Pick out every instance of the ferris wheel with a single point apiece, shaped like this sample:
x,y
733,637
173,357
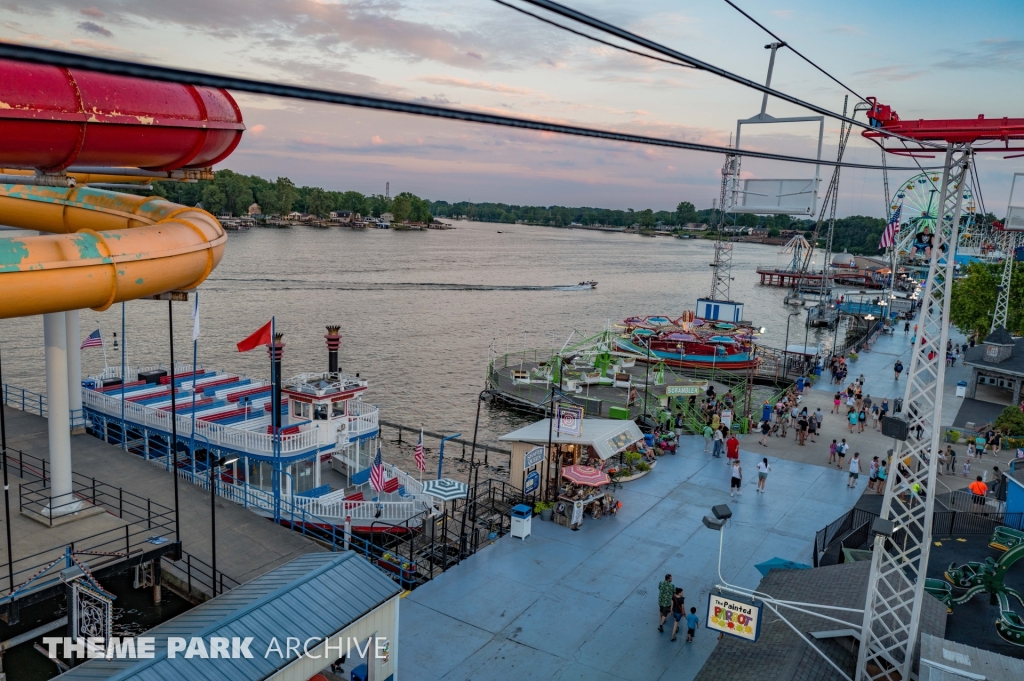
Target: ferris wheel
x,y
919,198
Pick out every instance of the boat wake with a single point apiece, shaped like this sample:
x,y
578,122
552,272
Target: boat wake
x,y
291,284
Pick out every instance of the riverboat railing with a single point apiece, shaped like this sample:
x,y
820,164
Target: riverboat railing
x,y
237,439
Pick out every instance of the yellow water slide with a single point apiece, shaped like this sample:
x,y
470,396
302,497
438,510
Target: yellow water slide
x,y
101,248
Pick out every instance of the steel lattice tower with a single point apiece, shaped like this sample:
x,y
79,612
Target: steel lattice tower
x,y
1010,241
721,275
900,560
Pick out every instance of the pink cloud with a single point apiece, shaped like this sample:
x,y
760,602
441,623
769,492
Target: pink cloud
x,y
257,129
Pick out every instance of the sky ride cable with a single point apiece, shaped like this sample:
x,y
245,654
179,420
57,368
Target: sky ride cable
x,y
605,27
581,34
41,55
792,49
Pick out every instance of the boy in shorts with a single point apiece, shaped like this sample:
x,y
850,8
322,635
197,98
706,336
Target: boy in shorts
x,y
691,624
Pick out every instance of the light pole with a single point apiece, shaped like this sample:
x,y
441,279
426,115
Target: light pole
x,y
7,487
785,350
213,465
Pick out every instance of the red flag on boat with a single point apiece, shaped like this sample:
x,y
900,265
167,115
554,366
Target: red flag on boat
x,y
260,337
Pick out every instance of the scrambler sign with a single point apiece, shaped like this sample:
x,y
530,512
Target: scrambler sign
x,y
738,618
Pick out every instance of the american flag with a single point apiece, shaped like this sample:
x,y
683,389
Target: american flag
x,y
93,340
420,463
889,235
377,471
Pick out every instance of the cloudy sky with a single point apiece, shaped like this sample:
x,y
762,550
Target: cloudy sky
x,y
930,59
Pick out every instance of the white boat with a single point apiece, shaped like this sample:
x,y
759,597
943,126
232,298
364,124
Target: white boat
x,y
317,467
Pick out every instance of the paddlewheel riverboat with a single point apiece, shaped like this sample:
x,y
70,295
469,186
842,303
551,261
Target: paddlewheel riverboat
x,y
314,471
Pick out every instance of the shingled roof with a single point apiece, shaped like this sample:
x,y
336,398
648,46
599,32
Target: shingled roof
x,y
781,655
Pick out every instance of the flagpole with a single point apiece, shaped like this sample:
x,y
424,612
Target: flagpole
x,y
103,346
124,348
195,377
275,415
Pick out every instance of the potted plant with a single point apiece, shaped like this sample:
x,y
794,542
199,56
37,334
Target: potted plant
x,y
544,509
390,563
953,436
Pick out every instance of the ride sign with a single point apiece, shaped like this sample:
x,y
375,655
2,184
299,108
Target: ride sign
x,y
569,420
532,458
682,390
735,617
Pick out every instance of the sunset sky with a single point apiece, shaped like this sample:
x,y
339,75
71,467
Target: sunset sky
x,y
930,59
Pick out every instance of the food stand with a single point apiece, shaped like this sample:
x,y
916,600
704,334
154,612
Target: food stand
x,y
598,441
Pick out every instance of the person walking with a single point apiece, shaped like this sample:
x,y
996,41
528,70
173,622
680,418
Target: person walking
x,y
906,328
763,469
832,452
679,426
716,445
819,417
862,420
882,475
898,369
708,434
766,430
841,452
812,428
665,591
737,479
678,610
854,470
851,417
873,473
692,622
801,428
836,401
997,442
875,413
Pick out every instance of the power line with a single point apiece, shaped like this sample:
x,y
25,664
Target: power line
x,y
794,50
605,27
594,38
40,55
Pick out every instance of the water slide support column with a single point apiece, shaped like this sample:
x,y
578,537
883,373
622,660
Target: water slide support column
x,y
74,342
55,338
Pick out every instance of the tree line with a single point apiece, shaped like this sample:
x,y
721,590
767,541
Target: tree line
x,y
231,193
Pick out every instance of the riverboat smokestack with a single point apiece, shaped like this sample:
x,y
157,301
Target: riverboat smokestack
x,y
333,343
276,350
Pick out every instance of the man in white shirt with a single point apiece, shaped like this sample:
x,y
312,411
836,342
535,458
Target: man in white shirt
x,y
854,469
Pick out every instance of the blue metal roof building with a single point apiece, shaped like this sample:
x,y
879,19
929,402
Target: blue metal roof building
x,y
316,596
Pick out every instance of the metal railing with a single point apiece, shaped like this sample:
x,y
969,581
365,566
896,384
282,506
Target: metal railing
x,y
35,403
146,520
237,439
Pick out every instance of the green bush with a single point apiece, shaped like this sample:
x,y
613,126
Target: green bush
x,y
953,436
543,506
643,466
1011,421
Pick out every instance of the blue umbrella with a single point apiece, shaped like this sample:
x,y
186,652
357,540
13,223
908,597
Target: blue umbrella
x,y
779,564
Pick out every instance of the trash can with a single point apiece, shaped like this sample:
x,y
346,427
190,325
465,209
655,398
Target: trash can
x,y
961,389
360,673
522,519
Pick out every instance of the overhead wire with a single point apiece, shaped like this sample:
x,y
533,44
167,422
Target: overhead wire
x,y
581,34
795,51
623,34
41,55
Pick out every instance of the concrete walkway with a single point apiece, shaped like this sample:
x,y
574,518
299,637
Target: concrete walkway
x,y
564,605
876,365
247,545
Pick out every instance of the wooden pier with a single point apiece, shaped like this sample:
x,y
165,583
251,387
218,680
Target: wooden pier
x,y
771,276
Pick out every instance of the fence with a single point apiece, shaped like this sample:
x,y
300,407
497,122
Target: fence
x,y
35,403
852,530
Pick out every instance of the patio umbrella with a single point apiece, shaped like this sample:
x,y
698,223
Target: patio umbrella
x,y
643,332
445,489
586,475
680,337
721,339
779,564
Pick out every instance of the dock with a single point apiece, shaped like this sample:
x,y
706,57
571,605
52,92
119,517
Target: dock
x,y
247,545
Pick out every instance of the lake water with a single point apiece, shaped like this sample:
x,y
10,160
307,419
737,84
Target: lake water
x,y
418,310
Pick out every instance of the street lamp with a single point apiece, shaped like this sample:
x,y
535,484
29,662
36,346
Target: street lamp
x,y
785,350
213,464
